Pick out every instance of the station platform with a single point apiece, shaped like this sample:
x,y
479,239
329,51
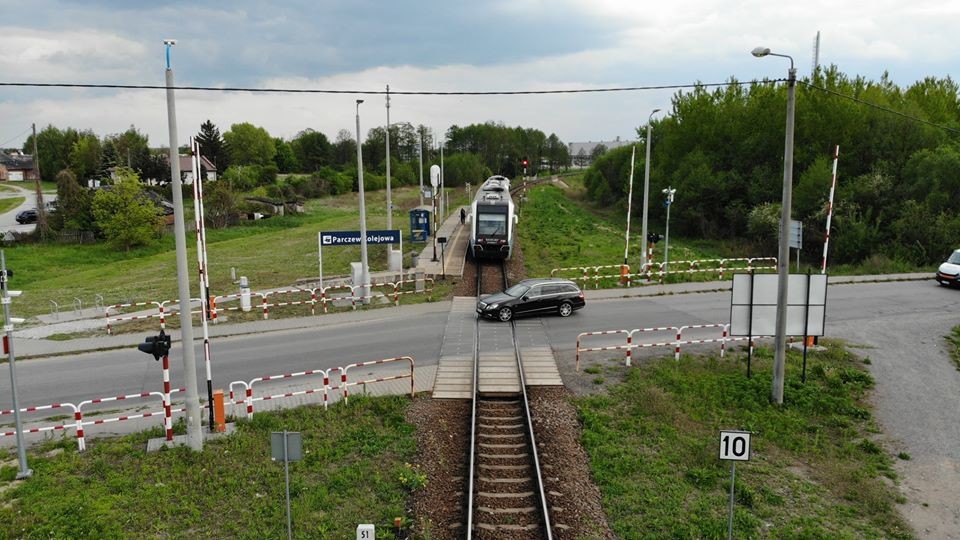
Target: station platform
x,y
451,256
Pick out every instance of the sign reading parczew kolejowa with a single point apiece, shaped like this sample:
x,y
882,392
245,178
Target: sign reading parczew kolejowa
x,y
352,238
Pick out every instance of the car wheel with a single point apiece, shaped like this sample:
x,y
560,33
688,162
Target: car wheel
x,y
505,314
565,309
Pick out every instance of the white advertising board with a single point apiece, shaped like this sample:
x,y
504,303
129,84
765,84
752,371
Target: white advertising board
x,y
753,305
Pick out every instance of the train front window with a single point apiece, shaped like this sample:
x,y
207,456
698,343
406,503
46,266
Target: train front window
x,y
492,225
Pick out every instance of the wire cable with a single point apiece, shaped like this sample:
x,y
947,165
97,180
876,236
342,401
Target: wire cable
x,y
880,107
4,143
376,92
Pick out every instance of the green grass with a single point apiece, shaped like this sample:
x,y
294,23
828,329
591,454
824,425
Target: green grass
x,y
558,229
9,204
272,252
953,342
815,469
355,470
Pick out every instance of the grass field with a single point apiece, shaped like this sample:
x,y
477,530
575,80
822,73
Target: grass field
x,y
271,253
354,470
815,469
9,204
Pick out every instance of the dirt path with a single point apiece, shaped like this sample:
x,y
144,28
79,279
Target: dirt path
x,y
917,398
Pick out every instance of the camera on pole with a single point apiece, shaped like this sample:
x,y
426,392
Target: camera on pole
x,y
158,346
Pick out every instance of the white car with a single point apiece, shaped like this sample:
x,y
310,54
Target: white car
x,y
949,272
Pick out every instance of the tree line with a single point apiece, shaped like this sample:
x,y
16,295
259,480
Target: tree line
x,y
722,150
247,157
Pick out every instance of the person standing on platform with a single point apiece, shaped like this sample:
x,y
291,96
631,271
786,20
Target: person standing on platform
x,y
463,216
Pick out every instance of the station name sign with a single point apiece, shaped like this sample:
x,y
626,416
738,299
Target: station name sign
x,y
352,238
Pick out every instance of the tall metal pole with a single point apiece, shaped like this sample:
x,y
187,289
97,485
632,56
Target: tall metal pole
x,y
24,472
194,434
626,247
364,269
443,197
646,193
780,356
420,159
42,226
389,199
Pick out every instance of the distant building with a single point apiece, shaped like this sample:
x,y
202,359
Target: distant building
x,y
581,152
186,168
16,167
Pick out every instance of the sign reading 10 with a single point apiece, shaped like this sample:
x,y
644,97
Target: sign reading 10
x,y
735,445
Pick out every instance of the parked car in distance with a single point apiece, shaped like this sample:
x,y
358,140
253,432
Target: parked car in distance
x,y
27,216
949,271
538,296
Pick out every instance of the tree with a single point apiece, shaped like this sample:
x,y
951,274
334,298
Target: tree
x,y
132,148
344,150
312,150
285,160
219,204
73,204
85,157
212,146
249,145
54,147
125,214
598,151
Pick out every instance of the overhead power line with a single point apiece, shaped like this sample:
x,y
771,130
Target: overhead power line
x,y
880,107
17,136
471,93
374,92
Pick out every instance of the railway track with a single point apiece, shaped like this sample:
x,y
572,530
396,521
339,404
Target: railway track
x,y
506,491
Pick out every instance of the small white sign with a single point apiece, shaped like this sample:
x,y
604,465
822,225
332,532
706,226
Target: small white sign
x,y
365,531
735,445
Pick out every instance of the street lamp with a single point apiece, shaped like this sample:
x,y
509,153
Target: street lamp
x,y
779,361
389,199
646,194
626,247
669,192
364,269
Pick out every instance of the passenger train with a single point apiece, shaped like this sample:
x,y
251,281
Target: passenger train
x,y
492,220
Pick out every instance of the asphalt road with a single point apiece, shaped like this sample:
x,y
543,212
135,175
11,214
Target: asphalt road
x,y
8,220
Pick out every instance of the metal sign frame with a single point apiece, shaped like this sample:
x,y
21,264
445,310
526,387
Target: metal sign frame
x,y
753,304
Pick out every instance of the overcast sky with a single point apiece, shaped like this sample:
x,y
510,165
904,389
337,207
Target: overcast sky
x,y
434,45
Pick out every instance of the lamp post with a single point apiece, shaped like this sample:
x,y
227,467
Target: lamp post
x,y
646,194
420,159
783,255
194,433
389,199
364,269
8,322
669,192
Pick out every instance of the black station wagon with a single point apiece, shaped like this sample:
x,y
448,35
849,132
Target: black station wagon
x,y
533,297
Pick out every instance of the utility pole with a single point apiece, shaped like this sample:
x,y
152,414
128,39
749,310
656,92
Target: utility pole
x,y
194,433
42,226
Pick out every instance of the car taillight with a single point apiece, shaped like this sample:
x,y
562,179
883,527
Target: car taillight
x,y
581,295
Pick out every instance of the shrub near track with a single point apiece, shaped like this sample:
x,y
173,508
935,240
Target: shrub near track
x,y
353,471
815,470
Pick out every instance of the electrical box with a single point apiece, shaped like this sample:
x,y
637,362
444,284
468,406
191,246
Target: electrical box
x,y
419,225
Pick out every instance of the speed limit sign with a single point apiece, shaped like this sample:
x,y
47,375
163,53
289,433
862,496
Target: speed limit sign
x,y
735,445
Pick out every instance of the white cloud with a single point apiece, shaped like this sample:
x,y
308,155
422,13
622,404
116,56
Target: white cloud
x,y
86,55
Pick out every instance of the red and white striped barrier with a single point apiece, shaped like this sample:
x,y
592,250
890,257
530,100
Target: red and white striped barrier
x,y
161,312
677,343
167,413
346,384
56,427
648,271
214,310
247,399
